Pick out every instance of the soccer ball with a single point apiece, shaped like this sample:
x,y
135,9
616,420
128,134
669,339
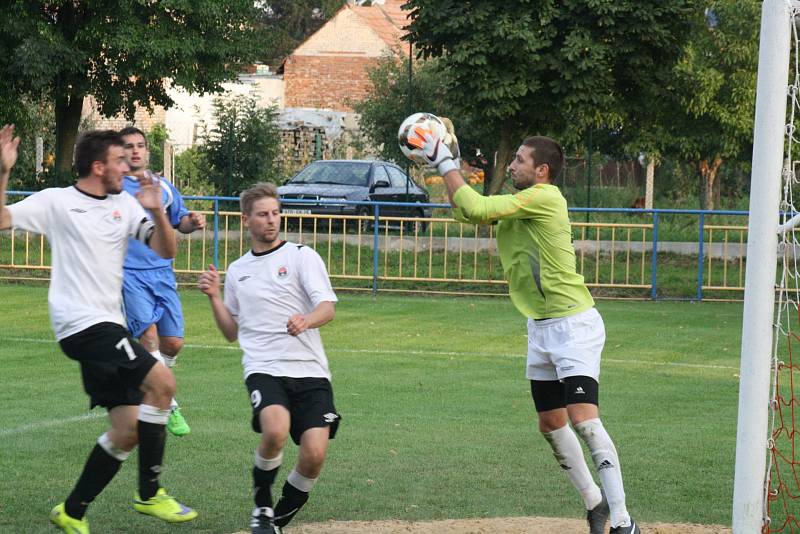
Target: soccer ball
x,y
410,143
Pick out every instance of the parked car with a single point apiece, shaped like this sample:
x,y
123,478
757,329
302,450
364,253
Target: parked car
x,y
354,180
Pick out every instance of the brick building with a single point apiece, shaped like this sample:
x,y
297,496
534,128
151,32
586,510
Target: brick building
x,y
329,69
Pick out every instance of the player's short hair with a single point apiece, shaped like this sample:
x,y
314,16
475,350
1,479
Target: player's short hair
x,y
133,130
93,146
256,192
546,150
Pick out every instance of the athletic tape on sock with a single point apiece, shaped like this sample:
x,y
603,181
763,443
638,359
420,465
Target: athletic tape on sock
x,y
157,355
300,482
268,464
107,445
151,414
169,361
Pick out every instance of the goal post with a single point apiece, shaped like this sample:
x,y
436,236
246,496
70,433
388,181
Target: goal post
x,y
762,243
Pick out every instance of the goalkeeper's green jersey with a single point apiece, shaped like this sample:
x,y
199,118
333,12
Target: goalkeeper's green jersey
x,y
534,239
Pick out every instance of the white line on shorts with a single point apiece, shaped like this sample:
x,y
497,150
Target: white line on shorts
x,y
444,353
38,425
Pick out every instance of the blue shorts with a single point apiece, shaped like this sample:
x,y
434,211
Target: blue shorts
x,y
151,297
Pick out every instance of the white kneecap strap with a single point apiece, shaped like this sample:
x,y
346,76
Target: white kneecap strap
x,y
107,445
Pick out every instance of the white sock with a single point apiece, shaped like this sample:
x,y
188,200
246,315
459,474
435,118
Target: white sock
x,y
606,461
157,355
300,482
268,464
169,361
569,454
166,361
152,414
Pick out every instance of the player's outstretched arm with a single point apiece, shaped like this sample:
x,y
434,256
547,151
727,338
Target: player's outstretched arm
x,y
208,283
319,316
8,157
163,239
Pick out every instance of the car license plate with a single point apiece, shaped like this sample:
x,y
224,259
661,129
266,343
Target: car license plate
x,y
296,211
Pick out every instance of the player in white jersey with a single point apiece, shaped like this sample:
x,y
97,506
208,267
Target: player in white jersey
x,y
276,298
88,226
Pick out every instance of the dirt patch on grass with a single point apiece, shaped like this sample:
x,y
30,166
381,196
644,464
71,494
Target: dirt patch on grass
x,y
500,525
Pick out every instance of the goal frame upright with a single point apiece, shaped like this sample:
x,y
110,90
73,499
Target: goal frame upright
x,y
762,243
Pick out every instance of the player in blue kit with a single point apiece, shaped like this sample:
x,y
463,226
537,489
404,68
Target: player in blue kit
x,y
152,305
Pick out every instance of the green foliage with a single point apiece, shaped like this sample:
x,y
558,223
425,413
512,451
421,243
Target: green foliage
x,y
192,175
156,138
553,67
32,119
714,86
243,147
121,53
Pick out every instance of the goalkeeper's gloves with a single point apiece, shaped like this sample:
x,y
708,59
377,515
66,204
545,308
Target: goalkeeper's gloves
x,y
436,153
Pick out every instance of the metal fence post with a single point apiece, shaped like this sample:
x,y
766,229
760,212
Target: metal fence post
x,y
376,218
654,261
216,232
701,243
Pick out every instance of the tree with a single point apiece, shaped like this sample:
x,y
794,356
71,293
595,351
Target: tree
x,y
243,147
120,52
557,68
289,22
713,99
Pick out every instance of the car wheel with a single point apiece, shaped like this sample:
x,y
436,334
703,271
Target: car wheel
x,y
411,224
365,224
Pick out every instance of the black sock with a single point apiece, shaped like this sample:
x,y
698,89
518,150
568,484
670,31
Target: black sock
x,y
152,438
100,468
262,486
291,501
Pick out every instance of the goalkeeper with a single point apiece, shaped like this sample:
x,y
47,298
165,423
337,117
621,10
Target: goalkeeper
x,y
565,332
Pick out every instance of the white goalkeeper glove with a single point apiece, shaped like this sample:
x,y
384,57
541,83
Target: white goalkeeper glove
x,y
435,151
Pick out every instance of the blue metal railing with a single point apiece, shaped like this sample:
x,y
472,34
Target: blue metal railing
x,y
376,208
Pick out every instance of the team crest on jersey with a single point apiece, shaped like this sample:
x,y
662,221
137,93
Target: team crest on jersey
x,y
282,271
117,215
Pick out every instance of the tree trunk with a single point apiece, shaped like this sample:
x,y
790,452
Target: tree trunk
x,y
68,117
505,149
708,175
648,190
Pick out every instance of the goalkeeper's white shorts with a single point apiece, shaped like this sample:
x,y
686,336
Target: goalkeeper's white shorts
x,y
567,346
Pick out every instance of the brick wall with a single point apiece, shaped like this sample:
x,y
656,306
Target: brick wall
x,y
326,82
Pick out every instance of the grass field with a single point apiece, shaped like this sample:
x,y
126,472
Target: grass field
x,y
437,417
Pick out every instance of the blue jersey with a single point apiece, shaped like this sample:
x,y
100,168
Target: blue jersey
x,y
140,256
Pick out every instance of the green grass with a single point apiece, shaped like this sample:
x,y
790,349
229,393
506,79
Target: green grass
x,y
437,417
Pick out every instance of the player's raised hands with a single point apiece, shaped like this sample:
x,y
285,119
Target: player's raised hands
x,y
8,149
208,282
149,195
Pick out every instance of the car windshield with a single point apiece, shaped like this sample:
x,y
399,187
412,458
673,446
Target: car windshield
x,y
338,173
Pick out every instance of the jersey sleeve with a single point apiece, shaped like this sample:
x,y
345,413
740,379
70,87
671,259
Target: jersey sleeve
x,y
177,210
314,278
475,208
229,297
32,213
140,227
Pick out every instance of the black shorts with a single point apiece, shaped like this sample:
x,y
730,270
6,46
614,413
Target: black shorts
x,y
113,364
309,401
